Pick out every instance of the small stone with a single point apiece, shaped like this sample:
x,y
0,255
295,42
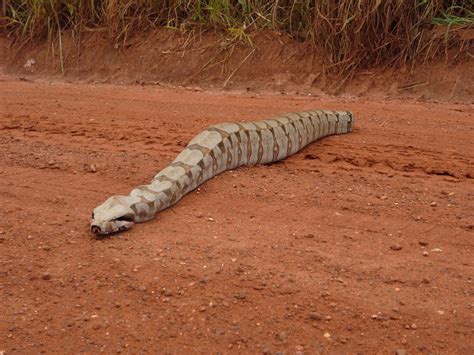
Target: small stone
x,y
210,219
328,317
51,162
440,312
46,276
400,352
308,236
283,336
423,243
434,204
425,253
168,293
241,296
436,250
396,247
266,350
327,335
93,168
99,324
413,326
314,316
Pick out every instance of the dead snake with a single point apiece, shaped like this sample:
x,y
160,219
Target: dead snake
x,y
218,148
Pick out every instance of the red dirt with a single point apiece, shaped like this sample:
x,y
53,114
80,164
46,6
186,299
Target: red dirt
x,y
359,243
277,62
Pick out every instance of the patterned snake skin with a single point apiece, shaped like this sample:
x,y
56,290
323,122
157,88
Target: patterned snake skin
x,y
216,149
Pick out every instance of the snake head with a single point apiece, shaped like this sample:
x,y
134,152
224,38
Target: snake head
x,y
114,215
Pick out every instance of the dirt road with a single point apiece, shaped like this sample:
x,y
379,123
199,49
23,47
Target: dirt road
x,y
360,242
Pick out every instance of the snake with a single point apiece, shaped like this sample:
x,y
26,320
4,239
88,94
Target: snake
x,y
218,148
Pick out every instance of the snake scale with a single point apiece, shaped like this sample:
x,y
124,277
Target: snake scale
x,y
218,148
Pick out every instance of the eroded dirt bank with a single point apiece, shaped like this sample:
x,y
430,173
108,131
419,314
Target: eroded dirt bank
x,y
274,62
359,243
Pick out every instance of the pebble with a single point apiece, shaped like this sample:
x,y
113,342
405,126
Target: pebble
x,y
436,250
396,247
46,276
423,243
400,352
434,204
99,324
328,318
425,253
327,335
241,295
314,316
93,168
283,336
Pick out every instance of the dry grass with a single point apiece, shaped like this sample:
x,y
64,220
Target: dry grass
x,y
352,34
361,34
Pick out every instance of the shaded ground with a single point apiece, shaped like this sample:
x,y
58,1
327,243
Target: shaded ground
x,y
360,242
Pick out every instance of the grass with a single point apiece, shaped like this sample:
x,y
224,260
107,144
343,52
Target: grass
x,y
350,34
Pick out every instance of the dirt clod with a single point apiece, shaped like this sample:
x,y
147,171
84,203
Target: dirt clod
x,y
314,316
396,247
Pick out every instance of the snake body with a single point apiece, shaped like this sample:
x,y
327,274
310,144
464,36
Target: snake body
x,y
218,148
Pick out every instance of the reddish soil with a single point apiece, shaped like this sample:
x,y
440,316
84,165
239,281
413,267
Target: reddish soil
x,y
277,62
359,243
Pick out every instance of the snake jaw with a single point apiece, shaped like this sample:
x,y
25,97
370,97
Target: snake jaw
x,y
113,216
110,227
